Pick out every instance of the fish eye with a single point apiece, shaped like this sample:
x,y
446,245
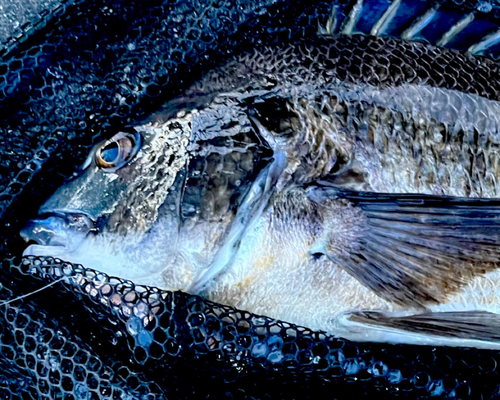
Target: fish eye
x,y
114,153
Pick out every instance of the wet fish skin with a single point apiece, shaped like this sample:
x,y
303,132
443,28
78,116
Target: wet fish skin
x,y
253,205
407,139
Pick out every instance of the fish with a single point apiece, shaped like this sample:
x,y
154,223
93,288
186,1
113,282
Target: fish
x,y
356,195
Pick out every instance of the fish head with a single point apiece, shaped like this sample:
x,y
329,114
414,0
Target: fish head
x,y
103,216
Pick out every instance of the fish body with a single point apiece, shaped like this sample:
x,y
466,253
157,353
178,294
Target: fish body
x,y
290,182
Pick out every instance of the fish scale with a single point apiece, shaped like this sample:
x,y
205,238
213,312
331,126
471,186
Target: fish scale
x,y
371,370
443,157
314,133
212,176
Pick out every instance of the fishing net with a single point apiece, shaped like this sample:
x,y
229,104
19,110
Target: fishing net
x,y
173,345
80,72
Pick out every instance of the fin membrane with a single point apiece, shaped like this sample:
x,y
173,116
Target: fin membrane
x,y
473,325
415,250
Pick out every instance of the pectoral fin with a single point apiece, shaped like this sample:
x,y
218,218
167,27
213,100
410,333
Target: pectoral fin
x,y
415,250
438,328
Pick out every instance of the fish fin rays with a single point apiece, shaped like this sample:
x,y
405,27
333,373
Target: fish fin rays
x,y
416,250
466,325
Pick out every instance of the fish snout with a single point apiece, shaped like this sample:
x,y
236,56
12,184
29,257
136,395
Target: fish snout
x,y
62,230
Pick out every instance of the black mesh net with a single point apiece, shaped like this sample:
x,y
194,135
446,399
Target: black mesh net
x,y
80,73
171,344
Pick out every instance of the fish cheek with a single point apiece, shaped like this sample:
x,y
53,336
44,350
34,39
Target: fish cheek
x,y
150,177
112,254
108,193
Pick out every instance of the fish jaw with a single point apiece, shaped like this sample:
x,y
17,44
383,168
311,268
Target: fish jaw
x,y
112,256
44,251
57,233
140,257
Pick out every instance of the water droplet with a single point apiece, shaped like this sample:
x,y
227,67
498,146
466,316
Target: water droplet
x,y
394,376
82,391
144,338
259,350
484,6
437,388
140,309
134,326
53,364
275,357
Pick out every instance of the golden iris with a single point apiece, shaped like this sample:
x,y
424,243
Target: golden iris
x,y
117,151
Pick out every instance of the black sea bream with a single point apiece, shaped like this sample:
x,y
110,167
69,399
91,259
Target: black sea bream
x,y
346,184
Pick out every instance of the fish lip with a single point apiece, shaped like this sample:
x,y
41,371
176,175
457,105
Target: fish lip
x,y
38,250
64,212
56,231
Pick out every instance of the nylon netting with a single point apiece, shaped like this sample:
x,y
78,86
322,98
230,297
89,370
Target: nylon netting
x,y
63,86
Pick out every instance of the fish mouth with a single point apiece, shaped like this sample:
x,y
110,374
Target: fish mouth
x,y
56,233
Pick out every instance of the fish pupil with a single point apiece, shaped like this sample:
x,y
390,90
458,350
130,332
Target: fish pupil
x,y
110,152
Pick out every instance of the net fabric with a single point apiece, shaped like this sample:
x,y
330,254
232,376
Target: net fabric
x,y
21,19
43,360
166,334
64,87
